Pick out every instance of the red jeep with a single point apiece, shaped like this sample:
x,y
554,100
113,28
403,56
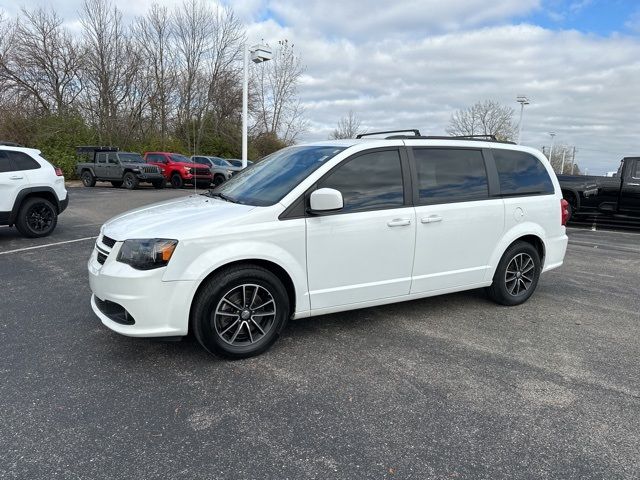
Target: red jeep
x,y
179,170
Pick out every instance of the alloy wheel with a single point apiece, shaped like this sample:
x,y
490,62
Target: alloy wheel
x,y
244,315
40,218
519,274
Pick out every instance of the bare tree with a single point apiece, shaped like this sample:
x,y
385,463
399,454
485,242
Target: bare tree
x,y
279,111
484,118
348,127
114,95
41,61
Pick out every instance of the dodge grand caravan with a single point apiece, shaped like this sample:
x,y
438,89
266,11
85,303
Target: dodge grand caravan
x,y
326,227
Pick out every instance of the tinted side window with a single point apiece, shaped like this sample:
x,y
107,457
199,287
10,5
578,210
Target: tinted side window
x,y
101,157
22,161
112,158
636,174
450,175
5,164
521,173
368,182
155,158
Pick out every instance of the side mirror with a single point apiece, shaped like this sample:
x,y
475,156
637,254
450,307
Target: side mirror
x,y
326,200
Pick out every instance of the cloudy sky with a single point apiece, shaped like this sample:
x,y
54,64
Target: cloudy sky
x,y
411,63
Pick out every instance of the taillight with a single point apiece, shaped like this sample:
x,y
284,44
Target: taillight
x,y
59,172
564,208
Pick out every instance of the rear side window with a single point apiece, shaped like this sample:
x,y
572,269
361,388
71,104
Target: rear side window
x,y
5,164
450,175
22,161
372,181
101,158
521,173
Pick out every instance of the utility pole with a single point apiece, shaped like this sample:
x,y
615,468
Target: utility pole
x,y
522,100
564,152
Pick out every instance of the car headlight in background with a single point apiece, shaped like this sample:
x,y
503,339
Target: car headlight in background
x,y
187,169
147,254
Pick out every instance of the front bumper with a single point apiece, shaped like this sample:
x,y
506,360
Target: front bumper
x,y
150,177
154,308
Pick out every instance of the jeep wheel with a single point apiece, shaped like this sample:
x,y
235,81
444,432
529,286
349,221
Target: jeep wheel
x,y
130,181
88,180
240,312
158,184
37,218
176,181
517,275
116,183
218,180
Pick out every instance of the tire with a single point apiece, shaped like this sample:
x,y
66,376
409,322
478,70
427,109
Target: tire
x,y
158,184
218,180
88,180
116,183
130,181
37,217
523,260
176,181
250,331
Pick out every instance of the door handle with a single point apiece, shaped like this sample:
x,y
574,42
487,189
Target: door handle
x,y
633,184
16,177
399,222
431,219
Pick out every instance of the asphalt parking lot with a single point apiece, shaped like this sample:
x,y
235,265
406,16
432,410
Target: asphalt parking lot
x,y
446,387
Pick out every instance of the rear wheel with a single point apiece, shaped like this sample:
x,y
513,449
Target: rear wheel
x,y
88,180
37,217
116,184
517,275
130,181
176,181
240,312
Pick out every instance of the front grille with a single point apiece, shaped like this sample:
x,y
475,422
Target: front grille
x,y
205,172
109,242
101,258
150,169
114,311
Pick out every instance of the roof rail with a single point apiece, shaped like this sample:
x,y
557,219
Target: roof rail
x,y
416,132
95,148
10,144
476,138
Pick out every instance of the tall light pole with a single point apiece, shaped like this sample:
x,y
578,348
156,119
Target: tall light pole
x,y
553,139
522,100
259,53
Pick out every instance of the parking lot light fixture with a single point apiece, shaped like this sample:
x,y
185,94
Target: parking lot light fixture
x,y
522,100
259,53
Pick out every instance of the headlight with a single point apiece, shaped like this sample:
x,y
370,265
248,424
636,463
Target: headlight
x,y
147,254
187,169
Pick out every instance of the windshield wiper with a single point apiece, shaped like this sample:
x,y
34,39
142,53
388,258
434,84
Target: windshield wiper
x,y
224,197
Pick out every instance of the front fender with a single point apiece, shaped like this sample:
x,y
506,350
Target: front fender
x,y
517,231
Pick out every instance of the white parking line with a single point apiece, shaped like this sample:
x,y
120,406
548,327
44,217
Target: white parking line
x,y
47,245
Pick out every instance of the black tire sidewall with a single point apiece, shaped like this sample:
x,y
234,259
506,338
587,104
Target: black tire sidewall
x,y
87,179
498,290
130,181
23,226
212,292
177,183
218,180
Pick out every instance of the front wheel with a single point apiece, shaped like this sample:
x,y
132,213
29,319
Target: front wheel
x,y
88,180
130,181
218,180
240,312
176,180
37,218
517,275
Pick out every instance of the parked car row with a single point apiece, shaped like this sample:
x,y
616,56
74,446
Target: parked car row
x,y
128,169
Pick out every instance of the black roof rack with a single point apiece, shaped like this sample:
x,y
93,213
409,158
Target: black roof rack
x,y
95,148
475,138
416,133
10,144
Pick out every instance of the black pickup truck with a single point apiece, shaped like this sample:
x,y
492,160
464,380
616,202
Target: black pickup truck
x,y
615,197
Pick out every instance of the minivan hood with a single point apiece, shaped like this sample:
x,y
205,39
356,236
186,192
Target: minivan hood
x,y
189,217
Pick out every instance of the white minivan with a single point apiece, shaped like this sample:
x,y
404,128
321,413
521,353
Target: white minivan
x,y
327,227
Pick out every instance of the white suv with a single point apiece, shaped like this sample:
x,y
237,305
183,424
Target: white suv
x,y
32,191
326,227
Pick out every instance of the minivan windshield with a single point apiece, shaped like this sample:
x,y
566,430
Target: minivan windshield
x,y
269,180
